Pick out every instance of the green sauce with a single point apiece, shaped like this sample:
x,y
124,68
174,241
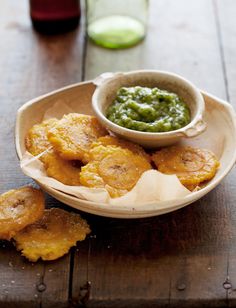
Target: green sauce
x,y
148,110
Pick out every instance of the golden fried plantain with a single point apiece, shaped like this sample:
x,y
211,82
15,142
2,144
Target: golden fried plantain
x,y
73,135
36,140
191,165
115,141
113,168
67,172
19,208
52,236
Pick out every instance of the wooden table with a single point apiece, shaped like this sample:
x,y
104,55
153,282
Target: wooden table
x,y
183,259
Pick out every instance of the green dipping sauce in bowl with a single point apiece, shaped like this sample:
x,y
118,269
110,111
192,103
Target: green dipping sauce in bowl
x,y
148,110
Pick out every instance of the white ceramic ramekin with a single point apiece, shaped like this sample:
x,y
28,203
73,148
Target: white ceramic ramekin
x,y
109,83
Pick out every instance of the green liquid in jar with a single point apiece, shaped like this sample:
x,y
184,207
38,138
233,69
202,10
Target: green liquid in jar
x,y
116,31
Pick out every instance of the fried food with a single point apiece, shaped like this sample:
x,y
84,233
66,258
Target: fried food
x,y
52,236
191,165
19,208
36,140
115,141
113,168
67,172
73,135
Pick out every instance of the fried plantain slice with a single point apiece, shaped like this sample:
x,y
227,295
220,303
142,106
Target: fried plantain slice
x,y
52,236
67,172
19,208
36,140
115,141
62,170
113,168
191,165
73,135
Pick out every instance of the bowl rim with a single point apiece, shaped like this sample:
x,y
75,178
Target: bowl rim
x,y
107,77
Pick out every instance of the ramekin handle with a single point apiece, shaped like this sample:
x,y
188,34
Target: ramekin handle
x,y
195,130
104,77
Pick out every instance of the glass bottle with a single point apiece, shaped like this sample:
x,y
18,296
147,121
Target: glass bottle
x,y
54,16
116,24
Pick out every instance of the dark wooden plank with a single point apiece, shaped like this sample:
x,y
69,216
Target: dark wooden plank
x,y
31,64
225,13
178,259
225,19
152,259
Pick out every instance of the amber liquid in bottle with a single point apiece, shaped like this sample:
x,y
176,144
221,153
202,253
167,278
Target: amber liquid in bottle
x,y
55,16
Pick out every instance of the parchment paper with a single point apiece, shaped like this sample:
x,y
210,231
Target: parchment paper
x,y
152,186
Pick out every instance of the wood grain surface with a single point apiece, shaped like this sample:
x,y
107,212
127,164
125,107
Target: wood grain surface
x,y
183,259
31,65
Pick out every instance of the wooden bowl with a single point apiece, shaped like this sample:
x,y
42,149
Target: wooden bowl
x,y
220,137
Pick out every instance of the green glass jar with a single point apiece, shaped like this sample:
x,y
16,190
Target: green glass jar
x,y
116,24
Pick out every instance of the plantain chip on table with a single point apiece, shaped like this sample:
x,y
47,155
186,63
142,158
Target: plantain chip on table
x,y
52,236
19,208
